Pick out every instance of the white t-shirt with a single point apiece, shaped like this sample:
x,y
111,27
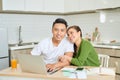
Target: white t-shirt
x,y
51,52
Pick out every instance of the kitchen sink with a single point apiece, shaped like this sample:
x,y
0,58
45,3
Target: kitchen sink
x,y
23,44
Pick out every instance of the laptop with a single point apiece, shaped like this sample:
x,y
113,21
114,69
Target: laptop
x,y
33,64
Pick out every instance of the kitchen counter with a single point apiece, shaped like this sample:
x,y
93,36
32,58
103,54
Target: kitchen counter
x,y
105,46
113,51
94,44
21,47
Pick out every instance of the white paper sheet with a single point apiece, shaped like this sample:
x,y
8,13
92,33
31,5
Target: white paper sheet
x,y
103,71
72,73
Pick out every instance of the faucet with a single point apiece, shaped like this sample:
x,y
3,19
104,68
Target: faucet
x,y
20,38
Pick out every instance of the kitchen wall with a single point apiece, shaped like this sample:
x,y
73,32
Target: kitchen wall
x,y
36,27
109,30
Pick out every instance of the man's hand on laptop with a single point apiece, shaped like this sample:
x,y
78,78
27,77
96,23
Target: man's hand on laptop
x,y
51,67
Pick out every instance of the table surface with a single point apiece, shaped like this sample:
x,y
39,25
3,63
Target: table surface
x,y
56,76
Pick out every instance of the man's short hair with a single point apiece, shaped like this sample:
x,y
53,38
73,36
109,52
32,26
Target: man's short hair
x,y
60,20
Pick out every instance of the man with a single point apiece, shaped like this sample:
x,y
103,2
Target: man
x,y
58,45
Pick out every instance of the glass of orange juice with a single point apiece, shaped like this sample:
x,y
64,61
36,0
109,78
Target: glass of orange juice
x,y
13,63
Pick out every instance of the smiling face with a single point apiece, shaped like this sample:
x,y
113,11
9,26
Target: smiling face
x,y
59,31
73,35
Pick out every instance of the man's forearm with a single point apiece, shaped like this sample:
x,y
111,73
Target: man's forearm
x,y
62,64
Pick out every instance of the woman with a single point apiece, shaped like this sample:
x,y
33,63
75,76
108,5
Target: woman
x,y
96,35
84,52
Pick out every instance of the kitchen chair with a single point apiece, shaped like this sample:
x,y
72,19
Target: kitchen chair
x,y
104,60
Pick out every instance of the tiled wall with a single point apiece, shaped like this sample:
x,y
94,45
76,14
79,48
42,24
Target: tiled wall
x,y
37,27
109,30
34,27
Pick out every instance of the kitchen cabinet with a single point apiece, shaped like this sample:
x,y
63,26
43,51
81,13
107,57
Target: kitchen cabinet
x,y
71,5
54,6
110,52
102,4
116,3
44,5
98,4
114,57
61,6
79,5
117,77
89,5
21,51
17,5
86,5
117,53
34,5
4,55
22,5
112,64
4,63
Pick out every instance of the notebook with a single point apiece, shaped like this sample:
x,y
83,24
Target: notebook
x,y
33,64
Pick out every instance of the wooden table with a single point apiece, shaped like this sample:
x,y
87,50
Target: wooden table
x,y
56,76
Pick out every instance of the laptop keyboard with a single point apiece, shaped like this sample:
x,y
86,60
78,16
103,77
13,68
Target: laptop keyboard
x,y
53,71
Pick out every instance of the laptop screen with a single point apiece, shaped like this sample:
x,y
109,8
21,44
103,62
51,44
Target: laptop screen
x,y
31,63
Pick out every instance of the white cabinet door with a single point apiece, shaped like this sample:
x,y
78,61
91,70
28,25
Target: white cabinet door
x,y
13,5
116,3
54,5
102,4
4,63
87,5
79,5
71,5
3,43
34,5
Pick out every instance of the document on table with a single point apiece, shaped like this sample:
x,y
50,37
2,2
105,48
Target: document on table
x,y
72,73
102,71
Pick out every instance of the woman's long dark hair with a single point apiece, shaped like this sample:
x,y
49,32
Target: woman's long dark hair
x,y
77,28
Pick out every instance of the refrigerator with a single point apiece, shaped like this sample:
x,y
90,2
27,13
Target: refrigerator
x,y
4,55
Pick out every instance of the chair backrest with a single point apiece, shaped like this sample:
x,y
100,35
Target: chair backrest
x,y
104,60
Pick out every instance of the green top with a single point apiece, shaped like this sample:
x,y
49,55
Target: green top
x,y
86,55
95,34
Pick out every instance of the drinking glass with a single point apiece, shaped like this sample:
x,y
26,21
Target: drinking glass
x,y
13,62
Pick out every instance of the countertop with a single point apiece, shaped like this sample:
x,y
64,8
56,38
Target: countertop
x,y
94,44
21,47
106,46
